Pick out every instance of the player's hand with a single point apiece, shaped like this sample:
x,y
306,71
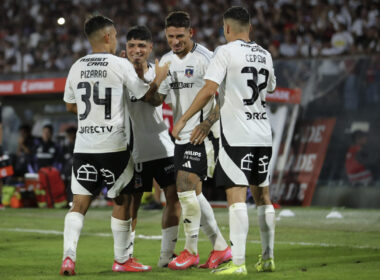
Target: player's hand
x,y
199,133
178,126
161,71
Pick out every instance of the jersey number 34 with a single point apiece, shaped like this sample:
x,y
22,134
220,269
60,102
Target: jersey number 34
x,y
106,102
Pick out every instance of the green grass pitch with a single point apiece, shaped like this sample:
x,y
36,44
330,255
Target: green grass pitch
x,y
308,246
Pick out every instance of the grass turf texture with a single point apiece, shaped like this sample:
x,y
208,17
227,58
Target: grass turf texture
x,y
308,246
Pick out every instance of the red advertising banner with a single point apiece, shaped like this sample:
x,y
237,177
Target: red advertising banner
x,y
53,85
57,85
285,95
305,162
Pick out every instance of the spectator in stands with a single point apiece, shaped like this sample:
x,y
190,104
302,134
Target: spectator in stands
x,y
67,160
357,160
23,161
310,21
47,152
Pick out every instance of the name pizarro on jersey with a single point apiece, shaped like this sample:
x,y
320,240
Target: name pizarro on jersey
x,y
95,129
86,74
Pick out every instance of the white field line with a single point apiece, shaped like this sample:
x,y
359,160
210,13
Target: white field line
x,y
158,237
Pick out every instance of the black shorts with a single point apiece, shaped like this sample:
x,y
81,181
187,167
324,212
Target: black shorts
x,y
243,166
92,172
162,170
198,159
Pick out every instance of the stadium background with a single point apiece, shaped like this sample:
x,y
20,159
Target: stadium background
x,y
328,50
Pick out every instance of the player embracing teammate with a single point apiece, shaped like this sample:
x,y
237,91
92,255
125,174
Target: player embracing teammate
x,y
189,76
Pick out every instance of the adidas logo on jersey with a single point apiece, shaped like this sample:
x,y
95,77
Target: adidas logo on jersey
x,y
187,164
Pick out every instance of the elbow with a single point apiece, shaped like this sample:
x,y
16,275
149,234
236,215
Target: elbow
x,y
71,107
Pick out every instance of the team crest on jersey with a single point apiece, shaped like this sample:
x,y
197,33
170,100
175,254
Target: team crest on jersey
x,y
189,72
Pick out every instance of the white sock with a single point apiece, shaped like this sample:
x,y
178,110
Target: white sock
x,y
168,241
238,231
71,233
191,213
121,231
131,244
266,217
209,225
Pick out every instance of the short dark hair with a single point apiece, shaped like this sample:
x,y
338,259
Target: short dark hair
x,y
239,14
96,23
48,126
139,32
178,19
26,127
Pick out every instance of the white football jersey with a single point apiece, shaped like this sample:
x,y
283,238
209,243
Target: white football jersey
x,y
244,72
151,138
185,79
95,83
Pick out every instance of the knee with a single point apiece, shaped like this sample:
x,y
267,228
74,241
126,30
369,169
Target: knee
x,y
186,181
261,196
122,200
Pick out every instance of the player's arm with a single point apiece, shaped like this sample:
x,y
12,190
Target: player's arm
x,y
202,98
72,108
201,131
155,99
152,96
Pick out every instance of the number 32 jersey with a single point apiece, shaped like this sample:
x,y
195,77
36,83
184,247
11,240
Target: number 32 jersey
x,y
96,83
244,73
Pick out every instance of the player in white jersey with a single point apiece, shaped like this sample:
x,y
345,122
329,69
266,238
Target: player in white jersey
x,y
153,149
244,73
188,64
94,91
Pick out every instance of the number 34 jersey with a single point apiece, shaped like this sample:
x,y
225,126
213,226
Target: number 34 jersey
x,y
244,73
96,83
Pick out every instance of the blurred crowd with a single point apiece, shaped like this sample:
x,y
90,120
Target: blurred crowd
x,y
34,153
31,39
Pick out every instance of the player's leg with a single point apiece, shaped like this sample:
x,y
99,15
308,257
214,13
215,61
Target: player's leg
x,y
121,227
221,252
134,208
230,174
266,218
187,184
117,172
164,175
74,219
238,221
170,220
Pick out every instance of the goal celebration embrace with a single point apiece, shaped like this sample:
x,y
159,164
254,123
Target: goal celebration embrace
x,y
221,137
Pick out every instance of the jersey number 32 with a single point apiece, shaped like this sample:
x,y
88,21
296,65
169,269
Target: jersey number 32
x,y
252,83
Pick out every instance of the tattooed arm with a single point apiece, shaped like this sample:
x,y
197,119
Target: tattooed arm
x,y
201,131
202,98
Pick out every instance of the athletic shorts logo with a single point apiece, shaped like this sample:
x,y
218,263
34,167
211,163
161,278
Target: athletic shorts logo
x,y
246,162
88,173
187,164
109,177
263,164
